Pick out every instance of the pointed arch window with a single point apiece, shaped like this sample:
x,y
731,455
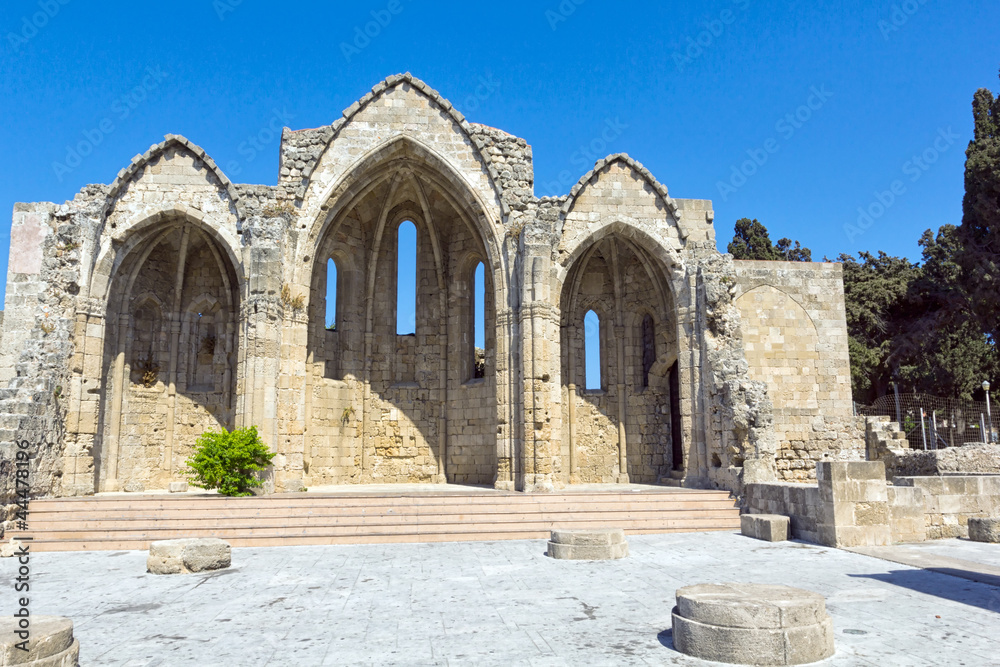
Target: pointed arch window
x,y
332,305
592,351
406,279
479,321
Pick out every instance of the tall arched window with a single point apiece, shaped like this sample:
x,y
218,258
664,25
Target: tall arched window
x,y
406,279
331,295
479,321
592,350
648,348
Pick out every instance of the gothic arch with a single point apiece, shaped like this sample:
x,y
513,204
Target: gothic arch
x,y
186,377
623,432
405,390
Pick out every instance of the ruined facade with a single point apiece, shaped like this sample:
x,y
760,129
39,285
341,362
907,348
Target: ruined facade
x,y
172,301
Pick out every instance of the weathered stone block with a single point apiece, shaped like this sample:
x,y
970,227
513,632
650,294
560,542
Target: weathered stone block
x,y
600,544
752,624
51,644
188,555
767,527
983,529
178,487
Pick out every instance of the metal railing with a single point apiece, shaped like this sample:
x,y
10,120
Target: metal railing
x,y
932,422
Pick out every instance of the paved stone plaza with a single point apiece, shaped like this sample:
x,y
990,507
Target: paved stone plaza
x,y
496,603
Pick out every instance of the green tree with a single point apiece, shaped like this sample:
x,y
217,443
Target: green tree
x,y
752,241
980,229
229,461
875,290
939,345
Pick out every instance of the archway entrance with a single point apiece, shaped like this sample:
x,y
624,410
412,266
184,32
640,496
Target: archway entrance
x,y
399,390
170,352
619,366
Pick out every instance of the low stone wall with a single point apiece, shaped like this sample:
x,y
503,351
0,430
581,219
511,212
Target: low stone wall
x,y
969,459
848,507
906,514
852,505
799,502
950,500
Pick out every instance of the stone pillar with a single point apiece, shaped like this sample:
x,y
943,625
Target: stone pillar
x,y
261,316
175,333
622,410
505,394
291,391
854,504
258,392
536,323
109,480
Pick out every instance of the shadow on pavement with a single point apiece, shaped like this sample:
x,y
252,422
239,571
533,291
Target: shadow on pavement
x,y
955,587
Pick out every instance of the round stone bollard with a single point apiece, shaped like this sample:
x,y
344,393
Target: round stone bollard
x,y
600,544
752,624
199,554
50,642
984,529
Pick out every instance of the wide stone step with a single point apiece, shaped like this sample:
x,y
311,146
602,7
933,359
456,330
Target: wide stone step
x,y
124,522
362,520
43,513
185,501
113,544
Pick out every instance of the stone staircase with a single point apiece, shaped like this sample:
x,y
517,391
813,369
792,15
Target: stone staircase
x,y
120,522
884,438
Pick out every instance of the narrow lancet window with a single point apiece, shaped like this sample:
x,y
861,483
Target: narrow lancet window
x,y
592,350
406,279
331,295
479,326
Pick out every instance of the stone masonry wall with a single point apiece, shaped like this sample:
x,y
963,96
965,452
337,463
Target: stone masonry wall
x,y
950,500
172,301
795,336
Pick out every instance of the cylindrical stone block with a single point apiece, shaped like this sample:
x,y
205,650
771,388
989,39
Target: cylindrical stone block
x,y
752,624
50,644
599,544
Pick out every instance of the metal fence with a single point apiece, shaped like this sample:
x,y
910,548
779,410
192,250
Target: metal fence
x,y
931,422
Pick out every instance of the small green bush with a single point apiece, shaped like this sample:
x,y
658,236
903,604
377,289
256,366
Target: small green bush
x,y
227,461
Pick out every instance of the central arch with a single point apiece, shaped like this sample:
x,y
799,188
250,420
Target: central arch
x,y
386,407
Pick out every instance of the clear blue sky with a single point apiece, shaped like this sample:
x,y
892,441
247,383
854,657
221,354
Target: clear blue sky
x,y
560,80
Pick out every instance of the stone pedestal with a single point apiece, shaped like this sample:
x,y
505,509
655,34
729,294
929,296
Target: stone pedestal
x,y
767,527
601,544
752,624
186,556
50,644
983,529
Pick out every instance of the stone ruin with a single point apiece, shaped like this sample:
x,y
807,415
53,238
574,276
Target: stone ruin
x,y
172,301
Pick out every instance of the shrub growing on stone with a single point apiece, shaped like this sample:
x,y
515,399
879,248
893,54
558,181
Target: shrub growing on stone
x,y
228,461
